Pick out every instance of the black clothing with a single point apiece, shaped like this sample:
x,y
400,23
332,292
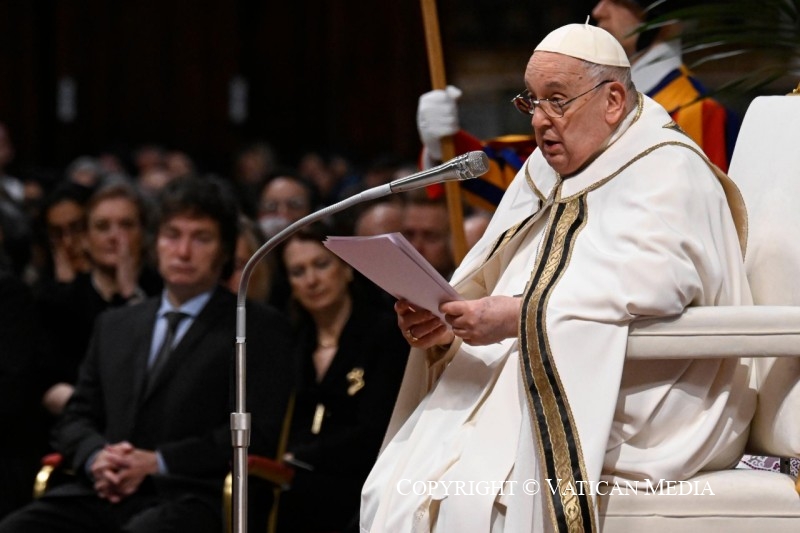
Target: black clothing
x,y
355,400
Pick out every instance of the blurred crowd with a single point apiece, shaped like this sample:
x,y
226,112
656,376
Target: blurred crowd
x,y
79,245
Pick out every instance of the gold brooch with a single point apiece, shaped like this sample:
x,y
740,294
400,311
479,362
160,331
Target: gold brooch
x,y
355,378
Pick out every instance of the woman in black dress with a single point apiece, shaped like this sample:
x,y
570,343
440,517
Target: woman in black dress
x,y
351,358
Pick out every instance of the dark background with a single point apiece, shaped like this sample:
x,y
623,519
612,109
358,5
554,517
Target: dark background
x,y
335,76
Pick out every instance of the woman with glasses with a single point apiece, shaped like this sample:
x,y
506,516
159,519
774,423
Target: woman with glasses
x,y
64,224
284,198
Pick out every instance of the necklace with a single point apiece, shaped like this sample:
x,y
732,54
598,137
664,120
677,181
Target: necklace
x,y
330,326
328,343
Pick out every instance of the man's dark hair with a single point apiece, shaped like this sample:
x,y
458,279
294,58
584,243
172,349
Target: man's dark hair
x,y
203,197
66,191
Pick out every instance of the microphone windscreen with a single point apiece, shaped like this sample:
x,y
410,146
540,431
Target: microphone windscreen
x,y
477,163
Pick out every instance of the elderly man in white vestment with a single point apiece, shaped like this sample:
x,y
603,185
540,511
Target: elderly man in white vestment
x,y
513,410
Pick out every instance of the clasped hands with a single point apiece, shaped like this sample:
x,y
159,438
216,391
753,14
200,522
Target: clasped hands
x,y
119,469
477,322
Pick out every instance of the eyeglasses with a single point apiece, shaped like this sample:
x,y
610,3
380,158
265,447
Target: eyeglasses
x,y
58,232
290,204
553,108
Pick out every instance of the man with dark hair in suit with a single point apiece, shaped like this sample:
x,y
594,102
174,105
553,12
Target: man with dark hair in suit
x,y
147,431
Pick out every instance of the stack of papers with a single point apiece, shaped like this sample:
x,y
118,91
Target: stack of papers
x,y
392,263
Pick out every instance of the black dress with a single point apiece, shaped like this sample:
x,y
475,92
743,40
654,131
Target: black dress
x,y
339,423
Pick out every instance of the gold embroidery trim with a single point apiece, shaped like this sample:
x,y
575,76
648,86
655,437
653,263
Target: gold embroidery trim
x,y
532,185
556,431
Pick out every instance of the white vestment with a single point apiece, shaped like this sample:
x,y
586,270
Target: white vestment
x,y
644,230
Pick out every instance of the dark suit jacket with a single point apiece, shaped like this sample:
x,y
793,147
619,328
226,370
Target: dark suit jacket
x,y
186,415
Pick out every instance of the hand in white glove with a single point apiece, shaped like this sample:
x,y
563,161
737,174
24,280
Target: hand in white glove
x,y
437,117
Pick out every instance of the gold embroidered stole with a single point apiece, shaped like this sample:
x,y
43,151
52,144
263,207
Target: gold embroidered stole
x,y
570,506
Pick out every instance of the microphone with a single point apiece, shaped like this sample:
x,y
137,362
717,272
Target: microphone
x,y
464,167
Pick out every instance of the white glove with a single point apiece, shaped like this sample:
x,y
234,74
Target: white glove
x,y
437,117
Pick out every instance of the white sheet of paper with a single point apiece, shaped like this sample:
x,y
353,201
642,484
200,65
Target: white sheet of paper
x,y
392,263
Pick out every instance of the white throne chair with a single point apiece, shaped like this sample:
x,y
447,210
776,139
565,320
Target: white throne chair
x,y
766,167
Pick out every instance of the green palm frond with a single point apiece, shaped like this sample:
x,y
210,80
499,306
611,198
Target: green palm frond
x,y
764,35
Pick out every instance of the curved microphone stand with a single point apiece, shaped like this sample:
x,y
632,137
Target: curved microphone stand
x,y
466,166
240,419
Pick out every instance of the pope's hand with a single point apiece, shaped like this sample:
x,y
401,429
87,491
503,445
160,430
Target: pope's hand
x,y
483,321
421,328
437,117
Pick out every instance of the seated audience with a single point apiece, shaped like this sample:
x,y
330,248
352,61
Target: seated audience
x,y
475,224
64,221
426,225
284,198
147,431
250,239
379,218
119,275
